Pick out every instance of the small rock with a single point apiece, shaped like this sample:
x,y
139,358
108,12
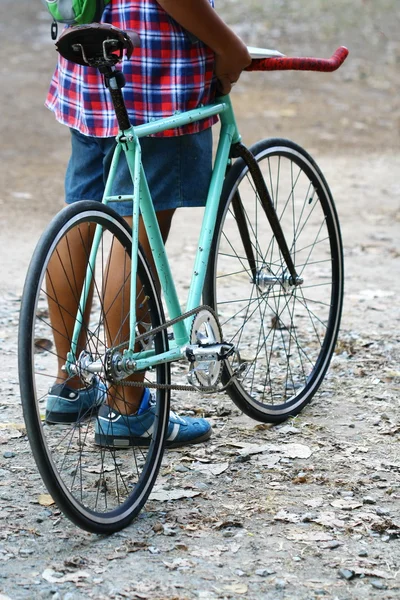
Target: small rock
x,y
346,574
26,551
331,544
368,500
181,469
240,573
381,512
280,584
228,534
8,454
264,572
379,585
242,458
307,517
200,485
363,553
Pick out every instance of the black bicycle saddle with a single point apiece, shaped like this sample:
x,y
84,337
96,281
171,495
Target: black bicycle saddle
x,y
97,44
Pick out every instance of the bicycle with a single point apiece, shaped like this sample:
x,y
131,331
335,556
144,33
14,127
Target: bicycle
x,y
262,313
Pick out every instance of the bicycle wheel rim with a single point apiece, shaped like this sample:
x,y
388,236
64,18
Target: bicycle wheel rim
x,y
273,401
90,508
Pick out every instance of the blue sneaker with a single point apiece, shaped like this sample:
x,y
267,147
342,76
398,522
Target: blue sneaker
x,y
65,405
113,429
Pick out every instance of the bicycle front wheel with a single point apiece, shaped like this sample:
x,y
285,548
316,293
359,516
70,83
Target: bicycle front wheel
x,y
99,488
284,334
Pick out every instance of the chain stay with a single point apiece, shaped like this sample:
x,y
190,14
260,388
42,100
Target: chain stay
x,y
171,386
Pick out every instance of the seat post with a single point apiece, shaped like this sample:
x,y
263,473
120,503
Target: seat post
x,y
115,81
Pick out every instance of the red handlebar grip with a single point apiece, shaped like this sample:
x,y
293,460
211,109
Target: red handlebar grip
x,y
300,64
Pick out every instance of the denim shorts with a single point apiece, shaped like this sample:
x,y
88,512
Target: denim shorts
x,y
178,170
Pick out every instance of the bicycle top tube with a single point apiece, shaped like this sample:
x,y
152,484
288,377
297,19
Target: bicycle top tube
x,y
221,107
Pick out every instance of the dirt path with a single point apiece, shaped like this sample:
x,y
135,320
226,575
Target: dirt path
x,y
314,513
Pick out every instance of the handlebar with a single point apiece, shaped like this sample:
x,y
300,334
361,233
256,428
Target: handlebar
x,y
300,64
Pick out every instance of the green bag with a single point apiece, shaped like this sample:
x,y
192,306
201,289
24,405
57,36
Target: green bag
x,y
76,12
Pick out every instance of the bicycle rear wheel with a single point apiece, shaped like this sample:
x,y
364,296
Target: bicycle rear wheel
x,y
99,488
284,334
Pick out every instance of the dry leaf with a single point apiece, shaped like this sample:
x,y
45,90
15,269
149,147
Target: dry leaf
x,y
168,495
287,517
314,502
236,588
297,451
100,469
206,552
346,504
50,576
257,448
211,468
45,500
329,519
43,345
179,563
228,523
287,450
310,536
19,426
269,460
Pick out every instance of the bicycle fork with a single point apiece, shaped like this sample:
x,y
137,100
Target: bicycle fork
x,y
259,279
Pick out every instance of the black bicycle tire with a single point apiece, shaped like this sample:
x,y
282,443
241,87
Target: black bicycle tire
x,y
276,413
85,518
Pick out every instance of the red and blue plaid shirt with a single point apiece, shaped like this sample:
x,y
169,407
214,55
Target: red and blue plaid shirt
x,y
170,72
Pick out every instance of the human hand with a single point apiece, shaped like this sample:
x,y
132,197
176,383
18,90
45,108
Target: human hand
x,y
229,64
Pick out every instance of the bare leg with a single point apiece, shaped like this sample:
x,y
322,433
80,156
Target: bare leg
x,y
126,399
64,281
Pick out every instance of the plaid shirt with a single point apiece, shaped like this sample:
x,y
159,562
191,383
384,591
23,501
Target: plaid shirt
x,y
170,72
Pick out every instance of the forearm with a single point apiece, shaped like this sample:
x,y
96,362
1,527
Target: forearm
x,y
198,17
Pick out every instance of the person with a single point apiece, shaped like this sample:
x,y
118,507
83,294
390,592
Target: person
x,y
187,54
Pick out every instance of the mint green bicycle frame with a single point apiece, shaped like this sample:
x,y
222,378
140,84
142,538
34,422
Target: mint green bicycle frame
x,y
128,141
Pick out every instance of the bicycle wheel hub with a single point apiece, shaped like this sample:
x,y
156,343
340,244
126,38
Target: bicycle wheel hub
x,y
85,368
265,280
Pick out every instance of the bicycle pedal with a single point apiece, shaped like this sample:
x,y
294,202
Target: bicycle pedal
x,y
209,352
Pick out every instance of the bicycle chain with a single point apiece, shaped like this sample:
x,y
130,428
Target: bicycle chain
x,y
172,386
